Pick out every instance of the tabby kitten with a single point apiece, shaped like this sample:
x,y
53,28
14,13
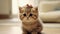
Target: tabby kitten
x,y
30,21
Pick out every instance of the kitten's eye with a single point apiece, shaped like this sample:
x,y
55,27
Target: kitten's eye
x,y
24,14
30,14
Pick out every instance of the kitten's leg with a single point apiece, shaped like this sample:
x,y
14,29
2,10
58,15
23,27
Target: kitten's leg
x,y
34,32
24,31
39,33
39,29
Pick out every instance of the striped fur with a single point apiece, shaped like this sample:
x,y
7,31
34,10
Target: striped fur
x,y
30,21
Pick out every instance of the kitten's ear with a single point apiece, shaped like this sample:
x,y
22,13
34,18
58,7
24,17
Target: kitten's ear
x,y
20,9
36,8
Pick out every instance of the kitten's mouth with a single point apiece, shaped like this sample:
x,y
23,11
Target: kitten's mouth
x,y
27,18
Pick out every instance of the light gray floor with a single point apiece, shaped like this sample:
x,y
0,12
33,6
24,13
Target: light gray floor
x,y
13,26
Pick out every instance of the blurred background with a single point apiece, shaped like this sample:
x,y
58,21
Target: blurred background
x,y
49,12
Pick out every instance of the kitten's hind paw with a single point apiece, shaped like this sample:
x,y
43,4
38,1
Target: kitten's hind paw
x,y
39,33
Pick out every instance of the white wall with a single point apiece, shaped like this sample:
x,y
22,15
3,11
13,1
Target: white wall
x,y
32,2
17,3
15,7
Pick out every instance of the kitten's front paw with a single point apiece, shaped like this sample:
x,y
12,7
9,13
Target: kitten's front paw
x,y
34,32
24,32
39,33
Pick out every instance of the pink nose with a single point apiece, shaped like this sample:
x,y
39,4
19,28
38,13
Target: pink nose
x,y
27,17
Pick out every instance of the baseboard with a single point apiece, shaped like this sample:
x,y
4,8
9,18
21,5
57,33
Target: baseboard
x,y
2,16
50,22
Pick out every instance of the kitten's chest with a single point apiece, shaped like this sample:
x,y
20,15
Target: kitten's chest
x,y
30,27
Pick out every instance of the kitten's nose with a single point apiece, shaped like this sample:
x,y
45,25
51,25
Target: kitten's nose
x,y
27,17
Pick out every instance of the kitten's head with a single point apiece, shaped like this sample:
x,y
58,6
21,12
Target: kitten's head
x,y
28,13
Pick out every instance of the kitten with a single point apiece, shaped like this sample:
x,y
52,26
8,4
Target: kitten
x,y
30,21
